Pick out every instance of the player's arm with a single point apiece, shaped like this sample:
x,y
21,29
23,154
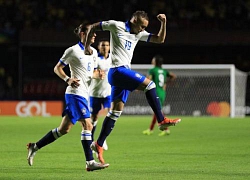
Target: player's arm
x,y
172,76
149,76
160,37
58,69
89,34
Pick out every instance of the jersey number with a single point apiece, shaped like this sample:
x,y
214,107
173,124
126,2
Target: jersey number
x,y
128,45
89,66
161,80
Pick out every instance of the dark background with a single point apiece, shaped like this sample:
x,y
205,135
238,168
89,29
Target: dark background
x,y
34,35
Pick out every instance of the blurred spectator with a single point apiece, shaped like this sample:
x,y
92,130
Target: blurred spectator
x,y
63,14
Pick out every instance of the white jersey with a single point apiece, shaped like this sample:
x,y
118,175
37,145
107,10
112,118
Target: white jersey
x,y
81,67
101,88
122,42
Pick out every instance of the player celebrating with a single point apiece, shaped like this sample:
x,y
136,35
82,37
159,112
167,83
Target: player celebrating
x,y
124,36
100,90
160,77
76,96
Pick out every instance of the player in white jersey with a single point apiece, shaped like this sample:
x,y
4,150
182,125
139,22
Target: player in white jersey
x,y
82,70
100,90
123,38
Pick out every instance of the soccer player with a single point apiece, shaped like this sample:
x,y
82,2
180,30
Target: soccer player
x,y
76,96
123,38
100,89
159,76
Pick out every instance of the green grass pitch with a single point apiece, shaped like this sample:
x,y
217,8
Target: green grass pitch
x,y
197,148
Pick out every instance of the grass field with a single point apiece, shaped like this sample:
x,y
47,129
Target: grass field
x,y
197,148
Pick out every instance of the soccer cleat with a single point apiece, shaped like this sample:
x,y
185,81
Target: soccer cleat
x,y
165,132
98,150
31,153
147,132
105,146
168,122
93,165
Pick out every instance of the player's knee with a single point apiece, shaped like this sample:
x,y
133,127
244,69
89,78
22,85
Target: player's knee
x,y
94,118
88,125
113,114
150,86
63,131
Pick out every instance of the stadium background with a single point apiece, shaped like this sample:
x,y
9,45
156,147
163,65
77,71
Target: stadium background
x,y
34,34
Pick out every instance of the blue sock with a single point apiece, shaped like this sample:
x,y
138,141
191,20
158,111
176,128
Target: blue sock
x,y
107,126
86,141
48,138
154,102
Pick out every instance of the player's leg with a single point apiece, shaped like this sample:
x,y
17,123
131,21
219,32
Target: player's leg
x,y
95,107
128,79
122,82
86,140
107,127
151,127
152,124
50,137
118,98
94,118
106,106
162,97
148,87
79,111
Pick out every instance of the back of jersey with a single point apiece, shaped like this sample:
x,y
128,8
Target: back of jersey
x,y
159,76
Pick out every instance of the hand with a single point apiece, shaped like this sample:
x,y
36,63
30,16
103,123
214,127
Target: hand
x,y
102,74
73,82
162,17
88,51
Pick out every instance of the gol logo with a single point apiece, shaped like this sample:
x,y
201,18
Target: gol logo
x,y
32,108
218,108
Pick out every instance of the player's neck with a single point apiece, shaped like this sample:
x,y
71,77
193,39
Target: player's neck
x,y
105,55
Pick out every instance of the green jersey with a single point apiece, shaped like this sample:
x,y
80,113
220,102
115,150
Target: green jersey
x,y
159,76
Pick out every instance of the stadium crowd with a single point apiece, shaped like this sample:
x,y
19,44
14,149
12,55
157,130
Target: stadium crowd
x,y
63,14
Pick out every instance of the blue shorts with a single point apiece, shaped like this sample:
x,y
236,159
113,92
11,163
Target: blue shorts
x,y
123,81
76,107
97,103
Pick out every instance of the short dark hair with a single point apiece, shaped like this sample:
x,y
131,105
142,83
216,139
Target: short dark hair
x,y
81,28
141,14
103,40
158,60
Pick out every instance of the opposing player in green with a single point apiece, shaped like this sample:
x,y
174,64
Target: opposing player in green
x,y
160,77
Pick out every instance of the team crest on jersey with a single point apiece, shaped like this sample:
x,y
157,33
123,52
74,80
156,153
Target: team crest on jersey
x,y
83,111
138,75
